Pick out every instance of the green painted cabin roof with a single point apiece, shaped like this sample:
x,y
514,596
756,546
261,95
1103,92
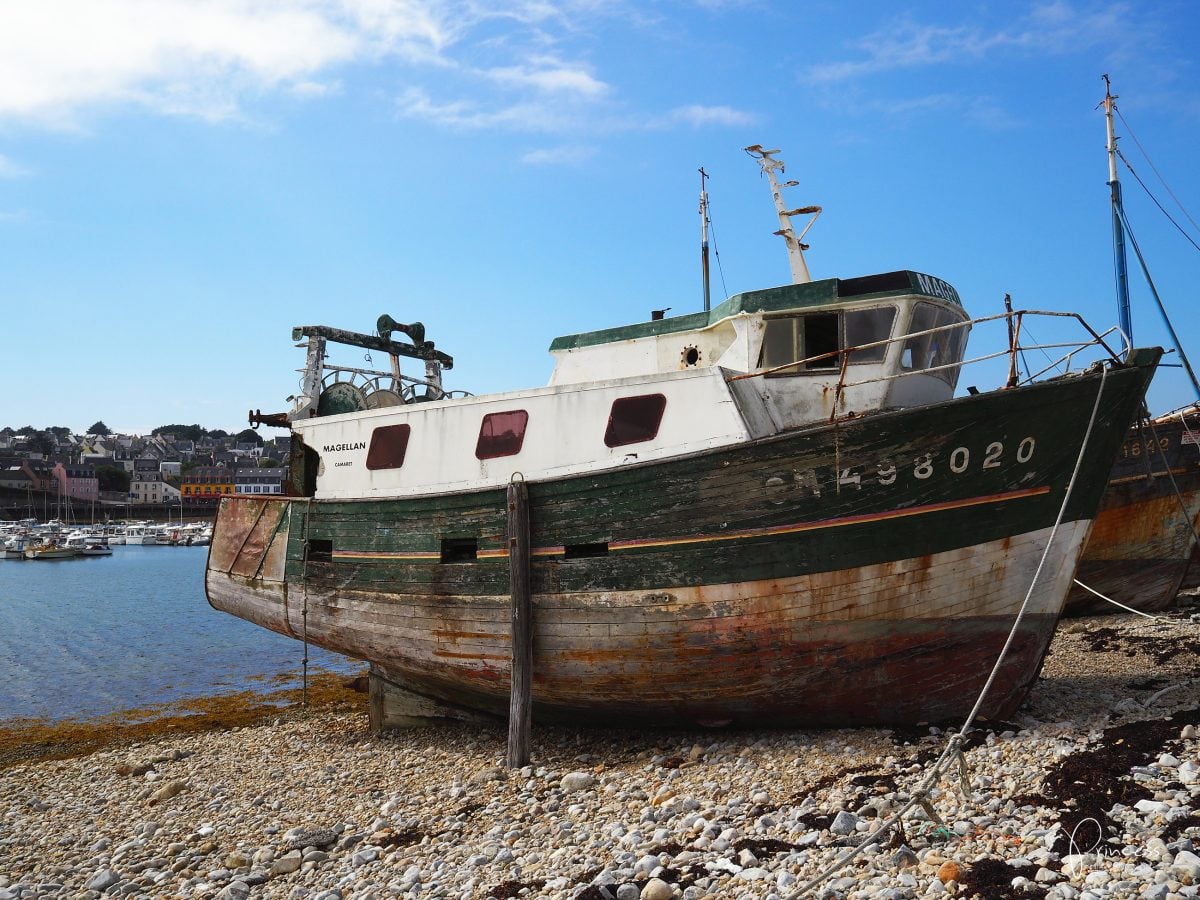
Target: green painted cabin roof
x,y
788,296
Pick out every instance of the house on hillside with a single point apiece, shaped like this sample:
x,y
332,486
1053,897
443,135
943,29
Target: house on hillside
x,y
78,482
262,480
206,484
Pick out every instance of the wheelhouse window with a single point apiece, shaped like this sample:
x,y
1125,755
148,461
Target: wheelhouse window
x,y
820,338
931,351
389,443
501,434
634,419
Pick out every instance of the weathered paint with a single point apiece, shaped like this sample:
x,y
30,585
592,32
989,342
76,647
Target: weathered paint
x,y
857,573
1144,535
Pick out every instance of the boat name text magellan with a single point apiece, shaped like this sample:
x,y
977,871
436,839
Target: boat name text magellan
x,y
338,448
937,288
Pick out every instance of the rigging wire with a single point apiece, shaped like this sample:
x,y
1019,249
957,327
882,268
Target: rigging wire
x,y
1161,209
1158,300
717,255
1162,180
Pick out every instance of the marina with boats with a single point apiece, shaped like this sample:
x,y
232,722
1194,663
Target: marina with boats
x,y
29,539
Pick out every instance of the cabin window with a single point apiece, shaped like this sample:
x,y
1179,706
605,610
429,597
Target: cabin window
x,y
389,443
819,336
634,419
868,326
929,351
501,434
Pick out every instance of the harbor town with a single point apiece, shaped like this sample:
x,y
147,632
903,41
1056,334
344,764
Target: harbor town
x,y
48,473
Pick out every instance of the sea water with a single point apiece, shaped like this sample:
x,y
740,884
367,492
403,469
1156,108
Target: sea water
x,y
88,636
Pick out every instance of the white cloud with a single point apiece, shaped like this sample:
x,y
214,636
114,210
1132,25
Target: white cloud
x,y
1049,28
700,116
470,115
192,57
9,169
559,156
549,75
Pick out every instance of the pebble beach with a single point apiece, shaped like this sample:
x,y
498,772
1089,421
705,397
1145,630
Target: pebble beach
x,y
1092,791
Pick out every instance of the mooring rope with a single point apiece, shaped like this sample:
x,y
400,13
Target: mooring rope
x,y
954,746
1092,590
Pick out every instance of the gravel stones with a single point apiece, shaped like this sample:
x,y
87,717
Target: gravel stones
x,y
316,808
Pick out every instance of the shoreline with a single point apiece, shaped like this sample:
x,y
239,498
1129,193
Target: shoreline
x,y
31,740
311,804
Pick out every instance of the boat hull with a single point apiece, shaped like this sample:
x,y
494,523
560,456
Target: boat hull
x,y
866,572
1145,532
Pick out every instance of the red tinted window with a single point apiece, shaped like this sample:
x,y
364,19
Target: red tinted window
x,y
388,446
634,419
501,434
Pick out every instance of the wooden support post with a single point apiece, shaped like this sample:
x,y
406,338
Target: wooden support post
x,y
520,706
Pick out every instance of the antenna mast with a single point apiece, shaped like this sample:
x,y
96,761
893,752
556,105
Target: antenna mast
x,y
1124,319
704,236
795,245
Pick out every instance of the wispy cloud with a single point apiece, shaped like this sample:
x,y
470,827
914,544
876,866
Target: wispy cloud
x,y
549,75
1049,28
9,169
474,115
701,116
559,156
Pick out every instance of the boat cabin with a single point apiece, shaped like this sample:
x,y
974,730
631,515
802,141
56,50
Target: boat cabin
x,y
800,335
758,364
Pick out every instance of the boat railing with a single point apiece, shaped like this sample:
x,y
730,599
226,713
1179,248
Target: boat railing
x,y
1014,351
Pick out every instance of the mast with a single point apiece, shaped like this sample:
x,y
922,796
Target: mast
x,y
1124,319
704,236
795,245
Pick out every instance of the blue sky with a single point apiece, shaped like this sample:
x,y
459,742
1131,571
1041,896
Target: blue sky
x,y
182,181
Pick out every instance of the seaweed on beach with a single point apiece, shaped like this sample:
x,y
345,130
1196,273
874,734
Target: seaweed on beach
x,y
34,740
1161,649
1086,785
992,878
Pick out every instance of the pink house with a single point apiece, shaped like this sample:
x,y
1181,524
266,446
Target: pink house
x,y
77,482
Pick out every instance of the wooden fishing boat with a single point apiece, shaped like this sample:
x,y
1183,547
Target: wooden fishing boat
x,y
773,512
1143,542
1145,533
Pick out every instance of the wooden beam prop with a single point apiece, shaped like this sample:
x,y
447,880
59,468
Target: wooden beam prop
x,y
520,707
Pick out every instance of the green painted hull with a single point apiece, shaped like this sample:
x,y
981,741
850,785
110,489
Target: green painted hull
x,y
865,572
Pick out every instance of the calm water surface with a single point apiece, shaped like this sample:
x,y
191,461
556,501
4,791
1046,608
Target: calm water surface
x,y
92,635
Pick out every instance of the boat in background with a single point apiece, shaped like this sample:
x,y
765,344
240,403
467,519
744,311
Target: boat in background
x,y
1144,538
774,511
15,547
141,533
50,551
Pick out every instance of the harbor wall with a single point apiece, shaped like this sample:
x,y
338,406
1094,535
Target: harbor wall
x,y
43,505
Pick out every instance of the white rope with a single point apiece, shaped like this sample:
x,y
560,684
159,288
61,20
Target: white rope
x,y
953,747
1138,612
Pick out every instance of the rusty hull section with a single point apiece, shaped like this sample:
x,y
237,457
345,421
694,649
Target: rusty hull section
x,y
1141,546
899,642
247,559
